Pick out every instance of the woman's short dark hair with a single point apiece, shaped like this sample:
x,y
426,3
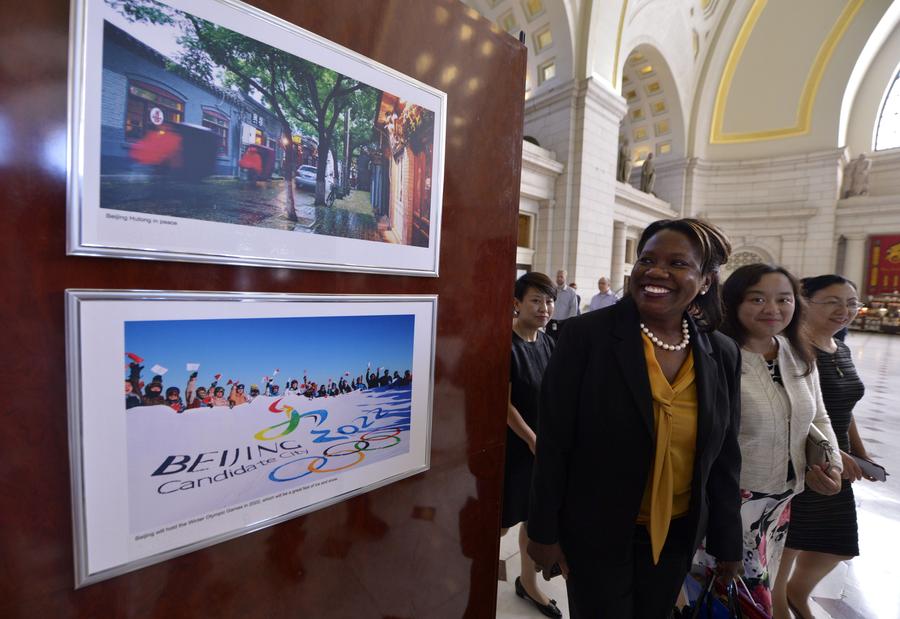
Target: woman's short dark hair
x,y
535,280
733,292
714,248
812,285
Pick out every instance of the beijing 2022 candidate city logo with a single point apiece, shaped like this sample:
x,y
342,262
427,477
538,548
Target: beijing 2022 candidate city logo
x,y
308,442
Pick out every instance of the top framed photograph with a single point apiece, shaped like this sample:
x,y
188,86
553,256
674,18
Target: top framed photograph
x,y
211,131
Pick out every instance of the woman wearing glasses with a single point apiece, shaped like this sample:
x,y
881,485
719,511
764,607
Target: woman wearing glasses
x,y
780,400
823,529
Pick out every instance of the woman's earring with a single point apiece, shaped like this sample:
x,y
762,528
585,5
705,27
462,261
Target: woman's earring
x,y
703,291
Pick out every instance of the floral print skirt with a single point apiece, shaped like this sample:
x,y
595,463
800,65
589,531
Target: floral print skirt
x,y
765,518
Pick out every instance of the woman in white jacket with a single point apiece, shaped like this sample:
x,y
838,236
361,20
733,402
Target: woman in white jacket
x,y
780,399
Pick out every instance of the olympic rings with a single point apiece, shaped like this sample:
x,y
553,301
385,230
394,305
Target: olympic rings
x,y
303,474
397,440
313,469
328,453
365,437
316,463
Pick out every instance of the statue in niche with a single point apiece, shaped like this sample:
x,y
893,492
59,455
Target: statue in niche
x,y
847,179
856,177
623,171
648,175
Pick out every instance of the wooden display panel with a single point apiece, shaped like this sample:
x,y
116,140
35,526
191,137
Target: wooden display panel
x,y
424,547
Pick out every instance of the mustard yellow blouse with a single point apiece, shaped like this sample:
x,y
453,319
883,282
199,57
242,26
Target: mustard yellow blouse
x,y
668,491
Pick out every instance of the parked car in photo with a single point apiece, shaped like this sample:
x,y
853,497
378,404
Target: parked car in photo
x,y
305,178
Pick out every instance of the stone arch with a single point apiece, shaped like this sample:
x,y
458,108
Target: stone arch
x,y
602,43
654,121
863,97
767,93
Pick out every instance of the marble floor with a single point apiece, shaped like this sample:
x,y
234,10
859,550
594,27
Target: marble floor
x,y
865,588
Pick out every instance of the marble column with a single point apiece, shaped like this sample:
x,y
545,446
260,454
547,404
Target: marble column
x,y
855,259
579,122
617,266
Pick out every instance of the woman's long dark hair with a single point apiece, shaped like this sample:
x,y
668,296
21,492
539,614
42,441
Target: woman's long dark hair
x,y
733,295
714,248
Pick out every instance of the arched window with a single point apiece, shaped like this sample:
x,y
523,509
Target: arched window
x,y
887,131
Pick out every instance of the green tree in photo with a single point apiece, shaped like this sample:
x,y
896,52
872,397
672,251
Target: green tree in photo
x,y
361,109
301,94
319,103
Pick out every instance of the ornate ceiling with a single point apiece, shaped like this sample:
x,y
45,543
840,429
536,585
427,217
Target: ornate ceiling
x,y
753,77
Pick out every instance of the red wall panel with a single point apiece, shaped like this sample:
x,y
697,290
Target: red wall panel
x,y
883,264
423,547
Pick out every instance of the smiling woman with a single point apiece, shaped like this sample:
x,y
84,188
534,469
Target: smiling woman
x,y
780,401
651,372
823,528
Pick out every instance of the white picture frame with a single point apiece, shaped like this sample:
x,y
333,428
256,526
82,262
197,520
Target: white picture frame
x,y
161,165
152,481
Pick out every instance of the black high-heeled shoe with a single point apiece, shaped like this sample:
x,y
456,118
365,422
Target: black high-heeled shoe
x,y
548,610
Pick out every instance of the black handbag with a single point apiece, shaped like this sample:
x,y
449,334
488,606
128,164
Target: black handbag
x,y
710,606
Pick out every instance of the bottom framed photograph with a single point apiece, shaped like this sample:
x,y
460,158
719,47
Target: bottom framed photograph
x,y
197,417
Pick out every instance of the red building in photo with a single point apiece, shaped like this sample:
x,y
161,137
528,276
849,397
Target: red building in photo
x,y
401,170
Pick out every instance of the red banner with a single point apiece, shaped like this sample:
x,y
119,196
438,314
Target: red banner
x,y
883,264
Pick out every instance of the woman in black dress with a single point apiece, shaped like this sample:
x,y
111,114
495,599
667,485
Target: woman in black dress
x,y
823,530
531,348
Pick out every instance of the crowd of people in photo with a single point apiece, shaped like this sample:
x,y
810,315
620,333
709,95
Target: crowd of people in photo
x,y
137,393
711,393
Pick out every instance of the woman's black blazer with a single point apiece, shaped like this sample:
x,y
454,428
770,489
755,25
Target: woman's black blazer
x,y
596,439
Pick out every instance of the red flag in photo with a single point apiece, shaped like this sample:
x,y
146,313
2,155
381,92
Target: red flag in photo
x,y
134,357
229,382
218,376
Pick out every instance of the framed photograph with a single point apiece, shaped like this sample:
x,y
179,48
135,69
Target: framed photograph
x,y
211,131
240,411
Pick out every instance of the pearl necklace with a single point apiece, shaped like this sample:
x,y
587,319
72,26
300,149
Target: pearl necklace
x,y
684,342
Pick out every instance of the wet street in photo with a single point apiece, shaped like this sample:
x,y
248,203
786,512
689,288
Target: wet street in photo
x,y
228,200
